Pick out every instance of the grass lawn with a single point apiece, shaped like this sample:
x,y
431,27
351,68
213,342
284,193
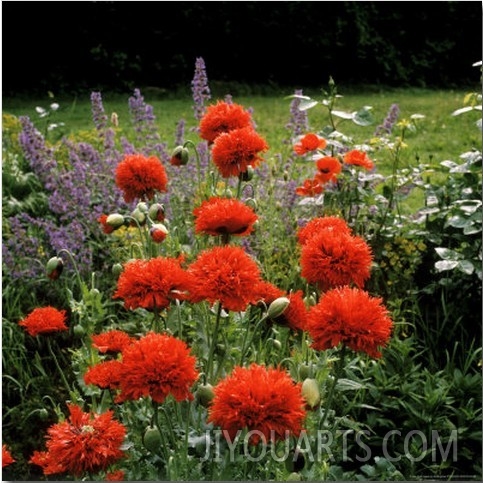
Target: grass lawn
x,y
440,135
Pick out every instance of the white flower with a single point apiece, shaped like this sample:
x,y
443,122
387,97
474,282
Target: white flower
x,y
54,106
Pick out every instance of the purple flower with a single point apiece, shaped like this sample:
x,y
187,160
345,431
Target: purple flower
x,y
390,120
298,123
200,89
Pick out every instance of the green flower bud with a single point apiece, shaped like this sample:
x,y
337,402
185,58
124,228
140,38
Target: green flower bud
x,y
139,216
180,156
204,394
156,212
43,414
294,477
248,174
311,392
54,268
115,220
304,371
117,269
79,331
152,439
142,207
278,307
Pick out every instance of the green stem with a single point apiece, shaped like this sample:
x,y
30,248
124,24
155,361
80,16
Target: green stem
x,y
338,371
246,346
76,269
209,367
57,365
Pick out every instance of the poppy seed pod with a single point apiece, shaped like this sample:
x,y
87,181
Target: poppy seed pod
x,y
277,307
117,269
54,268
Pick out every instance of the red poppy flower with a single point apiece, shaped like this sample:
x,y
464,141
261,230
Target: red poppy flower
x,y
316,225
311,187
7,458
263,400
223,117
328,168
105,374
309,142
152,284
225,274
82,443
233,152
44,320
139,177
157,365
224,216
352,317
111,341
358,158
330,259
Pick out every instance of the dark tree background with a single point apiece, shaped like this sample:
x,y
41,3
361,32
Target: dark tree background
x,y
75,46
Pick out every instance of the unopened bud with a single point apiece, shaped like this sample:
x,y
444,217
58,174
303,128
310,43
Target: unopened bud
x,y
304,371
311,392
277,307
115,220
152,439
156,212
204,394
117,269
142,206
158,232
247,175
180,156
139,215
54,268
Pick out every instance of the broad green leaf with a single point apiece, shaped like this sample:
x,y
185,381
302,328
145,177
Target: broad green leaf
x,y
363,117
307,104
447,254
471,229
458,221
466,267
342,114
443,265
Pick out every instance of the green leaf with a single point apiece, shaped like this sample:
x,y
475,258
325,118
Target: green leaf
x,y
458,222
466,266
363,117
443,265
447,254
348,385
307,104
342,114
